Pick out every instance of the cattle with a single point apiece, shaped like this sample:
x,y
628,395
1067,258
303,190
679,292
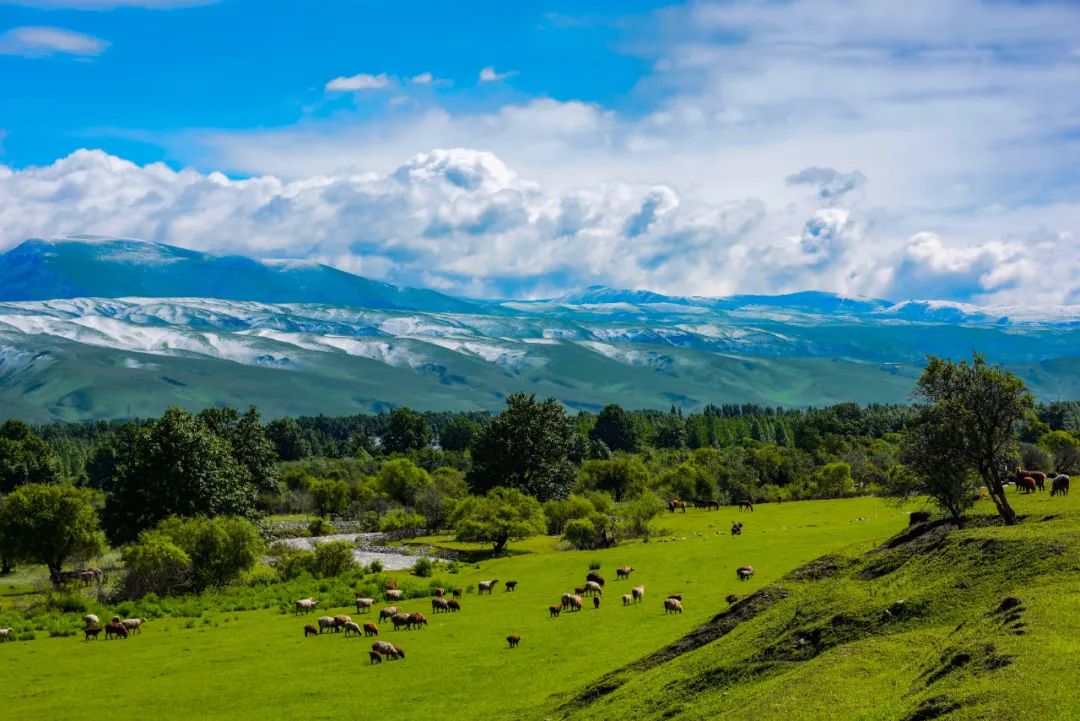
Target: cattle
x,y
918,517
375,656
1026,484
746,505
672,605
453,606
627,599
133,624
7,634
594,577
310,630
673,504
1037,477
592,588
394,594
623,572
511,585
486,586
554,610
305,605
417,620
1060,485
351,627
596,602
456,593
91,620
326,623
388,612
115,629
638,592
439,605
364,604
744,573
513,641
91,632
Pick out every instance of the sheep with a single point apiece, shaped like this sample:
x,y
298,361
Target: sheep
x,y
623,572
326,623
513,641
486,586
397,652
457,592
744,573
596,602
554,610
91,620
364,604
340,621
375,656
1027,484
676,596
440,591
592,588
746,505
133,624
594,577
417,619
714,504
305,605
383,647
370,629
579,590
453,606
672,605
388,612
115,629
351,627
638,592
439,604
310,630
7,634
91,633
511,585
1037,477
565,600
1060,485
732,598
627,599
400,620
394,594
575,603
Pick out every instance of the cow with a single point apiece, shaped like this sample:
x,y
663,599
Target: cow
x,y
623,572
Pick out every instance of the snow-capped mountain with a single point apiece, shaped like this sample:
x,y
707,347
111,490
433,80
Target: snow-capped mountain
x,y
100,328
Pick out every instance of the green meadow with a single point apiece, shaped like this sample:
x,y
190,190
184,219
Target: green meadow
x,y
258,664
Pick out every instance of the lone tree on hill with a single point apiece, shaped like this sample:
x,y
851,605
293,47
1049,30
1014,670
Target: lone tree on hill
x,y
503,515
965,427
50,524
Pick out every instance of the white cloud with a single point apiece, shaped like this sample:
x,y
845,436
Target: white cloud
x,y
488,75
363,81
42,41
422,79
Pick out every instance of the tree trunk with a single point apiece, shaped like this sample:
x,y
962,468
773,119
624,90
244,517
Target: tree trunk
x,y
6,567
55,576
500,543
997,494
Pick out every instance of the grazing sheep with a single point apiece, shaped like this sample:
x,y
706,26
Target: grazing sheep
x,y
744,573
370,629
732,598
305,605
340,621
1060,485
511,585
417,619
453,606
91,620
388,612
364,604
918,517
400,620
133,624
596,602
310,630
439,605
457,592
579,590
554,611
673,504
375,656
638,592
397,652
594,577
623,572
565,600
440,592
1037,477
672,605
384,647
7,634
1027,484
394,594
91,633
575,603
351,627
486,586
714,504
115,629
592,588
513,641
326,623
746,505
627,599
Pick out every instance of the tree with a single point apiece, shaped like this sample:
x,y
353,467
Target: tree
x,y
24,458
615,428
49,524
458,434
501,516
834,480
176,466
402,480
156,565
967,416
332,558
1064,450
402,523
525,447
251,447
220,548
329,495
669,431
638,513
288,439
621,478
406,430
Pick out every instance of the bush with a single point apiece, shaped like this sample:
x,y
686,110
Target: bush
x,y
333,558
290,562
402,524
376,566
320,527
156,564
68,602
594,565
423,567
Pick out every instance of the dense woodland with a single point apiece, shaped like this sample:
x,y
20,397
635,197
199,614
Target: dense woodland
x,y
164,490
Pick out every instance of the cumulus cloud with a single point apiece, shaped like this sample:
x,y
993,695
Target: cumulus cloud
x,y
933,269
831,184
353,83
42,41
488,75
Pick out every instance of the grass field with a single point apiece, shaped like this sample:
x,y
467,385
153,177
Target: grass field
x,y
257,664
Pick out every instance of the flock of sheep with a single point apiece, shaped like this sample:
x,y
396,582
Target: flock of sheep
x,y
115,628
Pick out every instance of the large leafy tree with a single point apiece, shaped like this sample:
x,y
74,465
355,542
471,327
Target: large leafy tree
x,y
501,516
24,458
251,447
525,447
406,430
965,424
458,434
615,429
288,439
49,524
622,477
175,466
1064,450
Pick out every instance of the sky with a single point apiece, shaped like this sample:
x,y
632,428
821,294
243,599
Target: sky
x,y
924,149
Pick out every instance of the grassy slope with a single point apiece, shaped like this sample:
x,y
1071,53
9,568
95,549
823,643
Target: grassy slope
x,y
830,650
249,664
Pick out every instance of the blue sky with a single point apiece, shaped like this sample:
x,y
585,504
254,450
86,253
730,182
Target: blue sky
x,y
920,149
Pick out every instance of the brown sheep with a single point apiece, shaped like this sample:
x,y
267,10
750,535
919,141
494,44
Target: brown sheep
x,y
554,611
388,612
594,577
370,629
417,619
627,599
513,641
486,586
1037,477
440,591
1027,484
746,505
732,598
398,652
453,606
744,573
310,630
115,629
340,621
375,656
596,602
638,592
579,590
456,593
511,585
623,572
91,633
672,605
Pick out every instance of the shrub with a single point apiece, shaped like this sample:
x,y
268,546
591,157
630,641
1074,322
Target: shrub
x,y
423,567
320,527
333,558
402,524
68,602
376,566
290,562
594,565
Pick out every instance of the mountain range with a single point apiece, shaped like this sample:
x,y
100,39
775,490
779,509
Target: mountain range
x,y
104,328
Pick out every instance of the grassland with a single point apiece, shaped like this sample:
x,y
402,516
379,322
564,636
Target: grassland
x,y
256,664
